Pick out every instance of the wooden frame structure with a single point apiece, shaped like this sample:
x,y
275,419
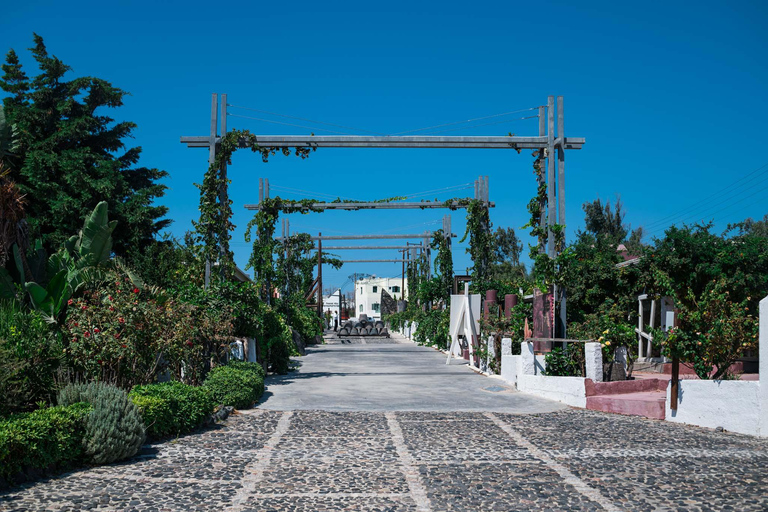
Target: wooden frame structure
x,y
551,143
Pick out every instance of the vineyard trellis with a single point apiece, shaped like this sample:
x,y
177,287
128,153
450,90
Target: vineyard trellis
x,y
549,147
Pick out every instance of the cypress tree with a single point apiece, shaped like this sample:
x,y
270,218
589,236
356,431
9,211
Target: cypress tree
x,y
71,155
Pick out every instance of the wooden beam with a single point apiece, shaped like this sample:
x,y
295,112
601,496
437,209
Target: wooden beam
x,y
375,206
362,141
368,237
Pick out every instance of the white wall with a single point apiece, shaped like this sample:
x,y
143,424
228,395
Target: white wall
x,y
568,390
365,296
731,404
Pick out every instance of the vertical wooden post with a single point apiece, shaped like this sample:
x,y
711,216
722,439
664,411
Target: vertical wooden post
x,y
223,190
561,202
542,179
320,276
211,161
675,383
552,207
639,327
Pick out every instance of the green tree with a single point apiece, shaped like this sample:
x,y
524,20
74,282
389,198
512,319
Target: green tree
x,y
70,155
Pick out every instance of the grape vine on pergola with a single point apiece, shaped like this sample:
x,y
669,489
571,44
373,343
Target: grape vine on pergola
x,y
550,146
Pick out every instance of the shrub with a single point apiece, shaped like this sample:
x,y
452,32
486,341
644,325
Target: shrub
x,y
29,357
114,429
238,385
565,363
172,408
116,333
42,439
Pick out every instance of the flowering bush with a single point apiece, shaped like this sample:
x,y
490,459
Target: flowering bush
x,y
713,332
120,334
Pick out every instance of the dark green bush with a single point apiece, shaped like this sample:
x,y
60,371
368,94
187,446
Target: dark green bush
x,y
114,429
42,439
565,363
172,408
238,384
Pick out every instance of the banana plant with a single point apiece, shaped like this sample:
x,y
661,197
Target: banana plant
x,y
82,261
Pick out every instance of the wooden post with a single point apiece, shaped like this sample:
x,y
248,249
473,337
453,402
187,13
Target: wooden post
x,y
211,161
542,164
561,296
320,277
552,207
639,328
223,189
675,383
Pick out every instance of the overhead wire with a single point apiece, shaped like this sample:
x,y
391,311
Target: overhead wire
x,y
468,121
485,124
719,193
305,119
288,124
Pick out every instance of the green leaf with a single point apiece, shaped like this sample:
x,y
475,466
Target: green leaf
x,y
19,263
7,287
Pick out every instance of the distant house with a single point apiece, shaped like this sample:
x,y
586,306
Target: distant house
x,y
368,294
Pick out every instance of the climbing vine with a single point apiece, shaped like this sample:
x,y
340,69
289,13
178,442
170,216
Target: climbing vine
x,y
481,241
545,269
443,263
215,223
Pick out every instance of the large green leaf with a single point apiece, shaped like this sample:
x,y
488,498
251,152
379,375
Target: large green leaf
x,y
7,287
96,236
19,263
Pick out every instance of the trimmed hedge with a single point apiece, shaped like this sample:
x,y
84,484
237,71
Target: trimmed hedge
x,y
43,439
238,384
114,429
172,408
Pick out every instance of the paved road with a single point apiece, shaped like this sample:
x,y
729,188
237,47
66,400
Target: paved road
x,y
324,460
359,374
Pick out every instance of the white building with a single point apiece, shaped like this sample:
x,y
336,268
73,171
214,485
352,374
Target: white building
x,y
368,294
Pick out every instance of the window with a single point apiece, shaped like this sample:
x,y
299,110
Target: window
x,y
375,307
394,289
361,289
375,289
361,308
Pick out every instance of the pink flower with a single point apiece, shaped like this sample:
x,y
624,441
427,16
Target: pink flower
x,y
83,307
70,302
121,320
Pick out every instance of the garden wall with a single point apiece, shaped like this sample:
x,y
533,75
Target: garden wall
x,y
731,404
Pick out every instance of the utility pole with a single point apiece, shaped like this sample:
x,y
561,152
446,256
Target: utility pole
x,y
320,277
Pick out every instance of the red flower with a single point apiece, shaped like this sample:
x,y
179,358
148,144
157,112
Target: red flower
x,y
135,290
70,302
76,324
87,334
96,330
124,345
121,320
117,336
118,291
111,308
109,297
83,307
189,343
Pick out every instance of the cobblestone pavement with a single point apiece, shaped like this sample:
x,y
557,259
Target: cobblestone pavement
x,y
314,461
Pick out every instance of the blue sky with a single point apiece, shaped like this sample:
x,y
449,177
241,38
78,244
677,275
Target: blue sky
x,y
669,95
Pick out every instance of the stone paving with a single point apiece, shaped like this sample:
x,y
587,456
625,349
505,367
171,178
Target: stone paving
x,y
315,461
391,428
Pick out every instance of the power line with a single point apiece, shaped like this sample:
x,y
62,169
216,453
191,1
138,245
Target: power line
x,y
288,124
305,119
692,207
468,121
486,124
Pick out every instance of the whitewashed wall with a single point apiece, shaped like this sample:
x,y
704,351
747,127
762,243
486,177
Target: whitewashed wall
x,y
568,390
731,404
